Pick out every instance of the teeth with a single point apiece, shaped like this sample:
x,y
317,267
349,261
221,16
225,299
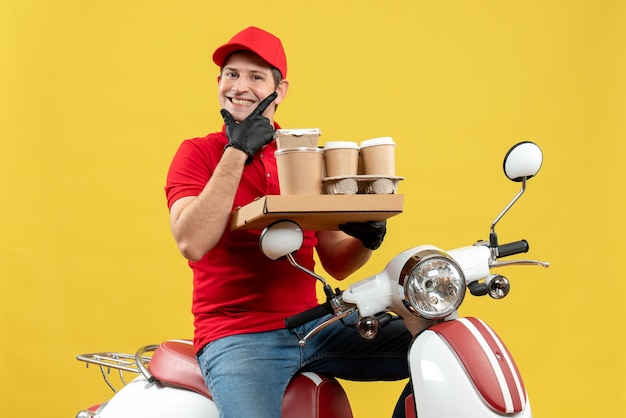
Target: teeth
x,y
242,102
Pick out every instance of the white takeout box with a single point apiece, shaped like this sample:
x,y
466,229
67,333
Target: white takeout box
x,y
296,138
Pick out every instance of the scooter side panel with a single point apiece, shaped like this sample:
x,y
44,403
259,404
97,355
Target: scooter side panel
x,y
442,387
140,398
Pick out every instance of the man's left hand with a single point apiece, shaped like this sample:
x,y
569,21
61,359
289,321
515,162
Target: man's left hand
x,y
371,233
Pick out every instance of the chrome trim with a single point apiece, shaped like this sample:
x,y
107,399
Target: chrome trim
x,y
410,265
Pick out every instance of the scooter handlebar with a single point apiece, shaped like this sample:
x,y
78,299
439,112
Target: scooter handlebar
x,y
308,315
512,248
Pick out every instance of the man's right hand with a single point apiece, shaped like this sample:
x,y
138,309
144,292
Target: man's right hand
x,y
252,133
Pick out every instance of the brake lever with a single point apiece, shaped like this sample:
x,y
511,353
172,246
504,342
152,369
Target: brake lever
x,y
545,264
334,318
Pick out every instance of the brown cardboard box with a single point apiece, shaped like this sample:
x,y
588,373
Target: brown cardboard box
x,y
321,212
295,138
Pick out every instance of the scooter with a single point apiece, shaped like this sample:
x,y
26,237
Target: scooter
x,y
458,365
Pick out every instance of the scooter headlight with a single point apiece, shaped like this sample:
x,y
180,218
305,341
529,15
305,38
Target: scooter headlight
x,y
434,284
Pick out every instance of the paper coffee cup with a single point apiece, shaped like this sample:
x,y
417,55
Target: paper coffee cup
x,y
341,158
300,170
378,156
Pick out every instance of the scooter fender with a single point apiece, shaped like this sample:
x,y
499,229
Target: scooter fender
x,y
461,368
140,398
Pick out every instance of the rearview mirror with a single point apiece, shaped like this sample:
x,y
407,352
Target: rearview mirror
x,y
281,238
522,161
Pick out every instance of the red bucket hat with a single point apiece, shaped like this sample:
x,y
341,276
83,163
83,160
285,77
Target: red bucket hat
x,y
262,43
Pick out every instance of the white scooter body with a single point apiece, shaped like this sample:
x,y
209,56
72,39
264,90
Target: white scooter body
x,y
458,367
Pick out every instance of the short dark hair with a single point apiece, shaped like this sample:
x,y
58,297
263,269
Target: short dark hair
x,y
278,77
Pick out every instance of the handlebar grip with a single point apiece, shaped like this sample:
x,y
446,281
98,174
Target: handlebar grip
x,y
511,248
308,315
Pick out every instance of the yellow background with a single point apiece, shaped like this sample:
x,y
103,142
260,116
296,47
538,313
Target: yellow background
x,y
95,97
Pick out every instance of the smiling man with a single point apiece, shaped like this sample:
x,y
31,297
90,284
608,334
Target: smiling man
x,y
251,74
240,297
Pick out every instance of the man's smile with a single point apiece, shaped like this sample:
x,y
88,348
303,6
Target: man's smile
x,y
241,102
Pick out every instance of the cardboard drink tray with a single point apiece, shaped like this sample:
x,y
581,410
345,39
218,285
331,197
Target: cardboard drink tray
x,y
318,212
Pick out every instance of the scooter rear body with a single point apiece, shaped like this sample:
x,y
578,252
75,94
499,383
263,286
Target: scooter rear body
x,y
173,386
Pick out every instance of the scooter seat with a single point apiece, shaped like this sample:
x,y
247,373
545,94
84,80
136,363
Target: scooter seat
x,y
309,395
174,363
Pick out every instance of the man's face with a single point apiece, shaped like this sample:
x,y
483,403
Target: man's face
x,y
245,81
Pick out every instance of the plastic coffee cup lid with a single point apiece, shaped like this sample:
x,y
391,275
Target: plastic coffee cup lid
x,y
384,140
341,144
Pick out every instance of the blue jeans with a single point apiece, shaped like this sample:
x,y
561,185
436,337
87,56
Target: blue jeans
x,y
248,374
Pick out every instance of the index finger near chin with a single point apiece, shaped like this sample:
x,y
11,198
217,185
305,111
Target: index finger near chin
x,y
265,103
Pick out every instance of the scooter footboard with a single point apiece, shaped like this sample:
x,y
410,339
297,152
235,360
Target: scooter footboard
x,y
462,368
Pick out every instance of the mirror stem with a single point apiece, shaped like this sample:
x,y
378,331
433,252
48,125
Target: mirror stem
x,y
506,209
304,269
328,290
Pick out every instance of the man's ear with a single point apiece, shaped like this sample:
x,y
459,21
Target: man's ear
x,y
282,89
219,78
